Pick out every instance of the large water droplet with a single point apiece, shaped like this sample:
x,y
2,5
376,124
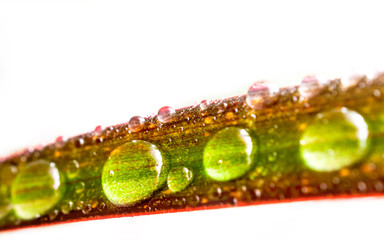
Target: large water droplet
x,y
179,178
36,189
165,114
138,170
228,155
7,174
335,139
261,94
136,123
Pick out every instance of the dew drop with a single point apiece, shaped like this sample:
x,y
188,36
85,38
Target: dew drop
x,y
72,169
136,123
261,94
203,105
228,155
310,86
165,114
79,187
67,207
36,189
179,178
351,80
335,139
138,170
7,174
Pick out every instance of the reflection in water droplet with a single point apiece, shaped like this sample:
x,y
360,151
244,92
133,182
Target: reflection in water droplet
x,y
179,178
228,155
36,189
261,94
7,174
139,169
334,140
165,114
136,123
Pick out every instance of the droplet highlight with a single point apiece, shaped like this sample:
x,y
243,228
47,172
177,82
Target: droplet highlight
x,y
229,154
335,139
179,178
36,189
138,169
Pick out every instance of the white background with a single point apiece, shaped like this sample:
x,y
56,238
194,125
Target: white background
x,y
68,66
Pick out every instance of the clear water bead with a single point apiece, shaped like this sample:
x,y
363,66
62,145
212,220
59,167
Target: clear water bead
x,y
165,114
36,189
261,94
334,139
229,154
136,123
133,172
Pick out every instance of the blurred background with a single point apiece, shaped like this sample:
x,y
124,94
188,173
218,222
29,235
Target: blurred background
x,y
67,66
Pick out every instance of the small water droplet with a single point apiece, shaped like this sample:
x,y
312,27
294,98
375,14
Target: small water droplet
x,y
377,93
261,94
228,155
67,207
179,178
310,86
79,187
72,169
87,209
335,139
362,186
53,214
351,80
98,128
165,114
203,105
136,123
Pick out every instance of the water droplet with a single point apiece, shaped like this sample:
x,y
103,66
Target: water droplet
x,y
7,174
179,178
72,169
334,140
310,86
139,169
203,105
351,80
136,123
79,187
376,93
67,207
165,114
261,94
228,155
53,214
36,189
